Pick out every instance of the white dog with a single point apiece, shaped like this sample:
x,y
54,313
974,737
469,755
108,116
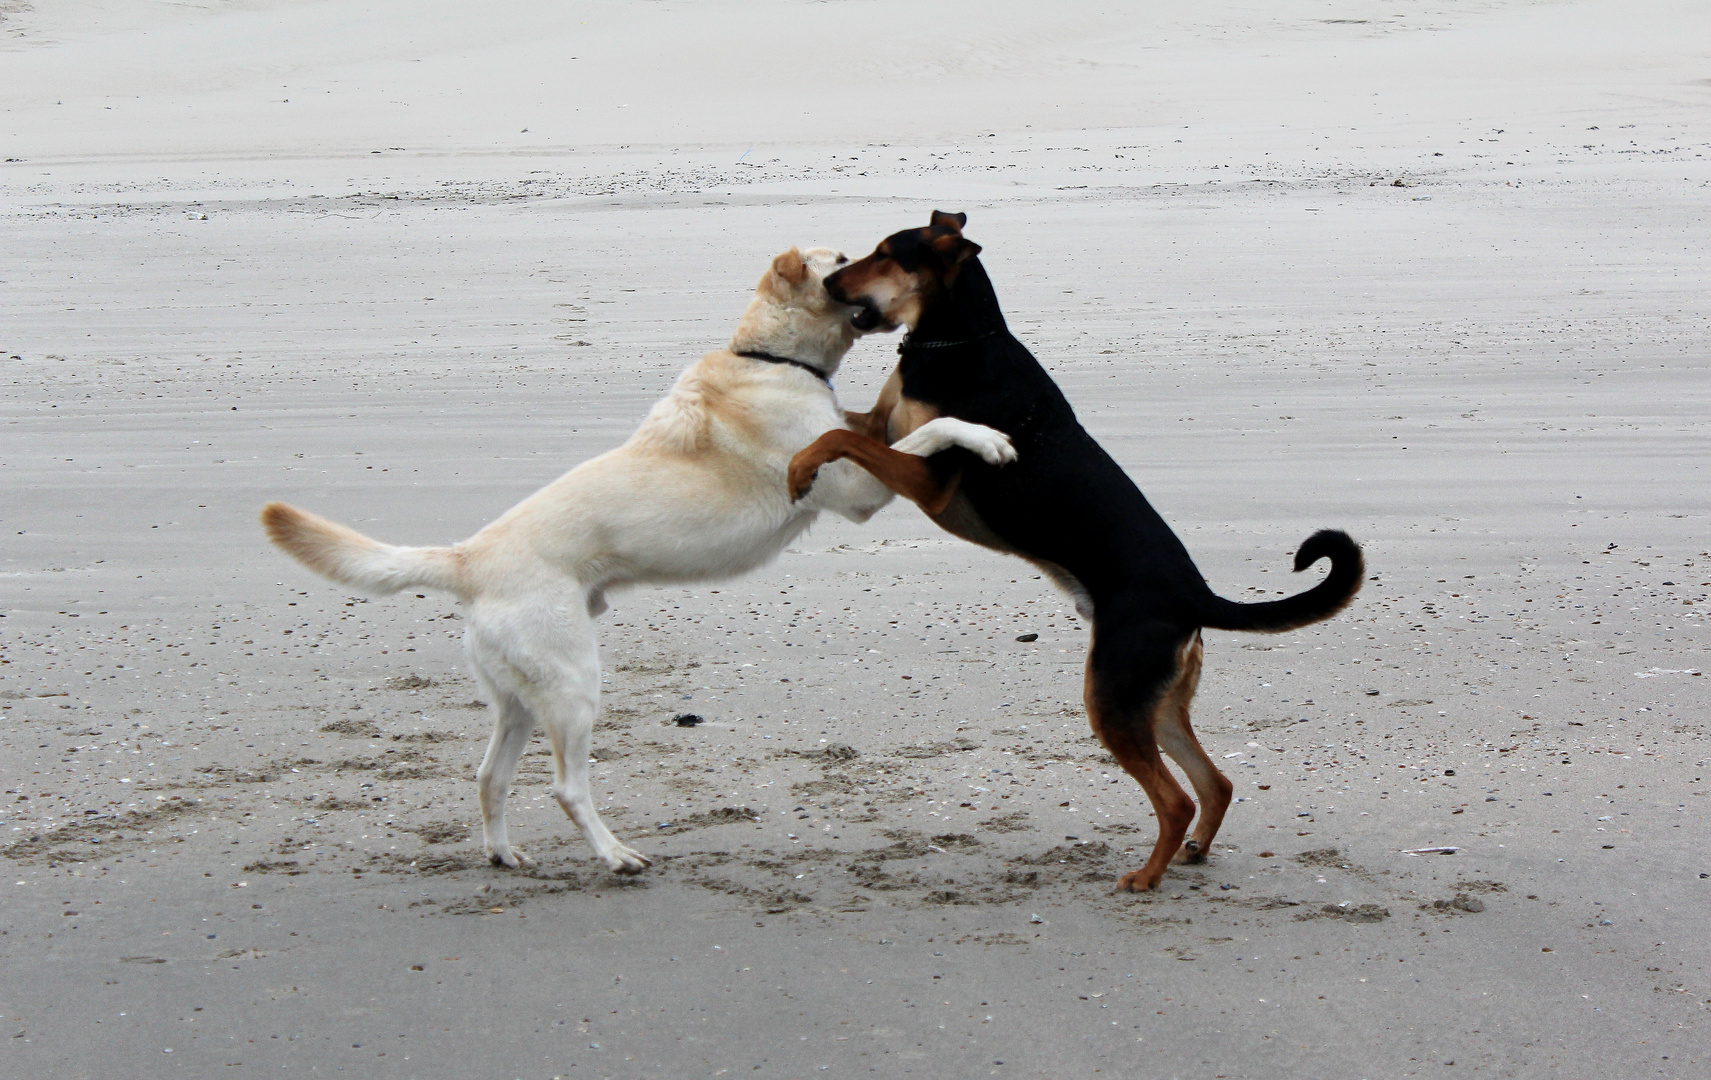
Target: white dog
x,y
698,492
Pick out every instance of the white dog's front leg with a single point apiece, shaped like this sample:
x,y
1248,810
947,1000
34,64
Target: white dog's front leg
x,y
849,491
992,445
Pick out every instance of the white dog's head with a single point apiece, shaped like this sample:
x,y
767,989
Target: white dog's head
x,y
792,316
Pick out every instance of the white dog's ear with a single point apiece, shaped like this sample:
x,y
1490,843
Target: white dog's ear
x,y
790,267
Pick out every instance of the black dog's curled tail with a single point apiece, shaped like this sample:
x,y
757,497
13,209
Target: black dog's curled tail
x,y
1320,602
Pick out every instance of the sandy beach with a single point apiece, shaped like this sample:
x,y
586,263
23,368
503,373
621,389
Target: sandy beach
x,y
1435,278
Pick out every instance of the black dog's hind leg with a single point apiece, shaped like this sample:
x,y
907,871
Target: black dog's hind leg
x,y
1176,736
1140,678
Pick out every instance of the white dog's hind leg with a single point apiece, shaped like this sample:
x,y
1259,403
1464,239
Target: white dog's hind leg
x,y
563,695
569,722
512,726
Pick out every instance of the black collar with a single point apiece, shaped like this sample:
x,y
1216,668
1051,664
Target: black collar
x,y
907,345
756,354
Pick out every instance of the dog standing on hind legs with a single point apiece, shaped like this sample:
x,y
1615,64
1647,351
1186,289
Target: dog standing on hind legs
x,y
1065,506
697,493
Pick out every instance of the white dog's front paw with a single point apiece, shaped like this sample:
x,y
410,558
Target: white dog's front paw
x,y
993,446
624,860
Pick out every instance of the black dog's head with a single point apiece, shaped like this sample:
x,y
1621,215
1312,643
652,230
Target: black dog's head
x,y
892,286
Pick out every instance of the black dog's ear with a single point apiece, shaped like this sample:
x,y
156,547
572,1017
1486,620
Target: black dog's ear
x,y
953,251
943,220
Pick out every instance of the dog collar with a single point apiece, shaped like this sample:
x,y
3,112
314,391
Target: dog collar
x,y
909,346
756,354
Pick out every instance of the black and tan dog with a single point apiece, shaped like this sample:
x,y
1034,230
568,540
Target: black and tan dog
x,y
1065,506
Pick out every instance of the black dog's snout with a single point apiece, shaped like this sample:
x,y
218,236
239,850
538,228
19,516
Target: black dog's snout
x,y
868,318
833,289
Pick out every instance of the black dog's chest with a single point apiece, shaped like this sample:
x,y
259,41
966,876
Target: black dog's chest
x,y
1064,503
907,415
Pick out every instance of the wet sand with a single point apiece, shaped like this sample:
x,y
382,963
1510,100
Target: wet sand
x,y
239,803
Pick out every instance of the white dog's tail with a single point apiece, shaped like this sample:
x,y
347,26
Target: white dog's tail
x,y
350,558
